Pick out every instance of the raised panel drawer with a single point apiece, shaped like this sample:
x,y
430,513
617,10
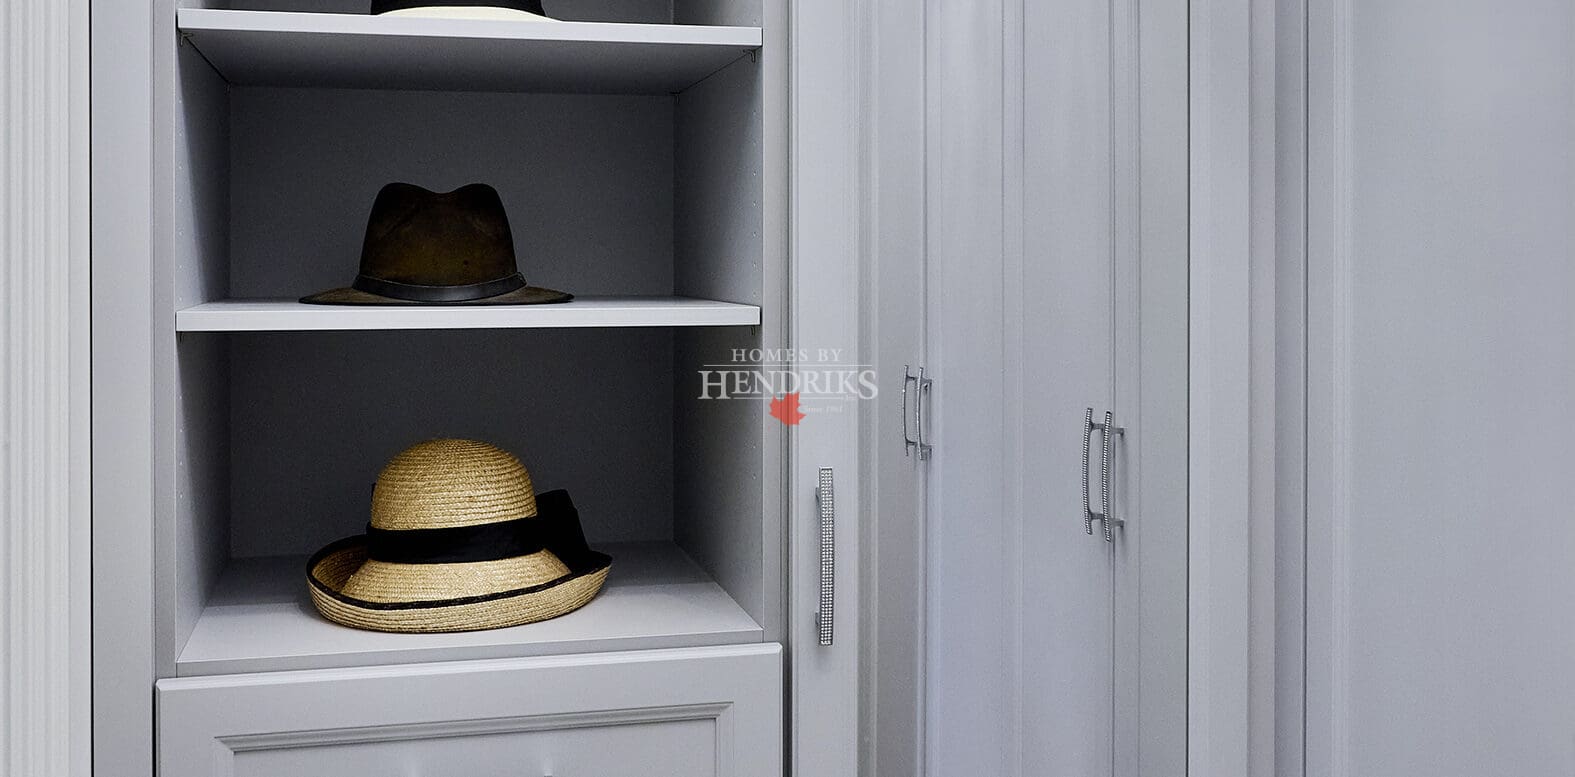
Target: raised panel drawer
x,y
701,712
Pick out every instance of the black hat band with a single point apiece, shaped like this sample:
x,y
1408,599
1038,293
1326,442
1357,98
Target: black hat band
x,y
555,527
418,293
456,545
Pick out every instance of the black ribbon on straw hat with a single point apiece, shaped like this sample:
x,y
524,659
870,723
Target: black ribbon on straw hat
x,y
556,527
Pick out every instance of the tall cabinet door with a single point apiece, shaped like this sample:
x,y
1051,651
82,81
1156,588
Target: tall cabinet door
x,y
1066,327
1021,344
1055,331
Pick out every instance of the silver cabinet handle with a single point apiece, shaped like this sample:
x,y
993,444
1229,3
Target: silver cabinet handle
x,y
1088,510
1110,431
825,612
922,392
908,443
1107,431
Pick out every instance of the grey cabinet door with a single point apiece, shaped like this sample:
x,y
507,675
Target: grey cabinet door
x,y
1056,284
705,712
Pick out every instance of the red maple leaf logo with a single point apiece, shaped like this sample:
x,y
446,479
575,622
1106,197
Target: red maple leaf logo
x,y
786,409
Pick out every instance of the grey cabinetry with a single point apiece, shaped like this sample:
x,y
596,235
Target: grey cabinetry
x,y
642,151
1039,170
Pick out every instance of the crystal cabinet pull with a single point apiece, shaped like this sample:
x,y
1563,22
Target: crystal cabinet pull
x,y
1107,430
825,612
1110,431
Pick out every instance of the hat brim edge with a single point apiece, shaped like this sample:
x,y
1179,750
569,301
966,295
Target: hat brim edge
x,y
477,12
593,563
526,295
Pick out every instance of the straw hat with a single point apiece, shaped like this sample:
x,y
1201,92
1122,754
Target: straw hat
x,y
459,541
494,10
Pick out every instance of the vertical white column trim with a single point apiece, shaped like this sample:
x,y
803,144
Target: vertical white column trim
x,y
1013,255
1340,398
1330,208
43,510
1220,359
825,240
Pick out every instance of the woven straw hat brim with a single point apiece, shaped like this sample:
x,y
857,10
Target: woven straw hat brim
x,y
527,295
488,13
332,566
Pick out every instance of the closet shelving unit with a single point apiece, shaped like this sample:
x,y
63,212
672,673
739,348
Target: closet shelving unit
x,y
639,168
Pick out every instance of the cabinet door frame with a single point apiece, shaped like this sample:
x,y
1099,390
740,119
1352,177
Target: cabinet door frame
x,y
1227,81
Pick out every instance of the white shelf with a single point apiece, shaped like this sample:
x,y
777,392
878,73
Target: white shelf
x,y
260,619
275,48
286,315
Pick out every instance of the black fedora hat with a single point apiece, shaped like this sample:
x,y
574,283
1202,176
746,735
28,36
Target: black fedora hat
x,y
427,248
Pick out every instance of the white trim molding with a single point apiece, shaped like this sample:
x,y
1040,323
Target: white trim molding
x,y
44,512
1219,499
1329,246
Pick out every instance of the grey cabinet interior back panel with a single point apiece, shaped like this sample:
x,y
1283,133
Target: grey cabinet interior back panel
x,y
587,181
313,413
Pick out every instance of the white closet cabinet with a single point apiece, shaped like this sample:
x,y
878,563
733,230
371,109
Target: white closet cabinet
x,y
655,162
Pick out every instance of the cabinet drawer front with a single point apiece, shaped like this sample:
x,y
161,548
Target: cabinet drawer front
x,y
670,746
706,712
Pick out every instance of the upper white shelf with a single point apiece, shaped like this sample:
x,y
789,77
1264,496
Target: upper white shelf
x,y
275,48
286,315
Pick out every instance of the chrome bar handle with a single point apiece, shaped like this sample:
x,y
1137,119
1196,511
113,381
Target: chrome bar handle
x,y
825,612
908,443
1110,431
1088,432
1107,430
921,392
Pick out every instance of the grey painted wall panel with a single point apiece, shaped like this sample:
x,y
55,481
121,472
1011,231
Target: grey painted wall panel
x,y
1441,367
